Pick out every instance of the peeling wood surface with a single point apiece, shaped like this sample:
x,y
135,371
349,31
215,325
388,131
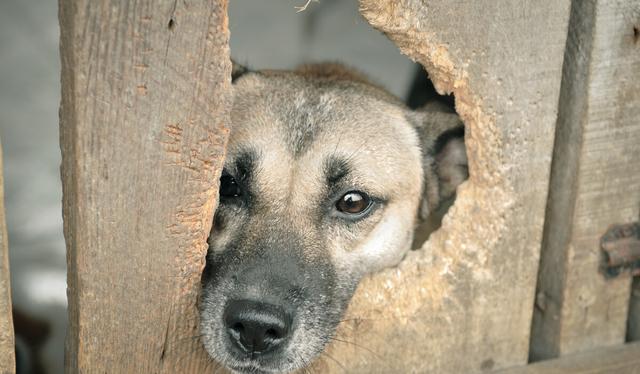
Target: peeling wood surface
x,y
620,359
595,181
144,107
7,342
462,304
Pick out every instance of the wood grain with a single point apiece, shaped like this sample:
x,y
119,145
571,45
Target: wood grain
x,y
145,99
462,303
620,359
7,342
595,181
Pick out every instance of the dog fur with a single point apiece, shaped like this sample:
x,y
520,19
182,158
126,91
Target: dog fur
x,y
300,140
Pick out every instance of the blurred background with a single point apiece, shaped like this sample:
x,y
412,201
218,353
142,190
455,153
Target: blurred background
x,y
264,34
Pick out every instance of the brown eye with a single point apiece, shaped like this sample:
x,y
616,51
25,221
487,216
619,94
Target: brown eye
x,y
353,202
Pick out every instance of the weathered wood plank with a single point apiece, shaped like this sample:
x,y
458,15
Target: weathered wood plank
x,y
7,342
620,359
462,304
144,107
595,181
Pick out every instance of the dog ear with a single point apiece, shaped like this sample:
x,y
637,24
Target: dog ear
x,y
237,70
444,157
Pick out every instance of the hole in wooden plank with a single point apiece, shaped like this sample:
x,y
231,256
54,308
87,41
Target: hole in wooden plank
x,y
417,301
636,34
250,157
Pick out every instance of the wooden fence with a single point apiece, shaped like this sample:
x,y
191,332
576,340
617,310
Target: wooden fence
x,y
7,357
550,95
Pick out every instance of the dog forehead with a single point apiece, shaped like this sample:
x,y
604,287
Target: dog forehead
x,y
295,126
290,113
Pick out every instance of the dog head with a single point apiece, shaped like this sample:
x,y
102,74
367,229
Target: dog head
x,y
324,179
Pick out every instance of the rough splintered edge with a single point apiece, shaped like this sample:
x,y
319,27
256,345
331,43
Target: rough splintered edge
x,y
481,139
203,158
389,298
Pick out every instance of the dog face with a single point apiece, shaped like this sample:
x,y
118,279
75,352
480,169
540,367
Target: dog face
x,y
323,180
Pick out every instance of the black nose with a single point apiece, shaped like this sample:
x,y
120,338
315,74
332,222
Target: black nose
x,y
255,327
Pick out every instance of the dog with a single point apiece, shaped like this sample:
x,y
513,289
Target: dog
x,y
326,177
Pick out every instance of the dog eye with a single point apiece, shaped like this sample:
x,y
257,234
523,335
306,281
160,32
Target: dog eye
x,y
353,202
229,188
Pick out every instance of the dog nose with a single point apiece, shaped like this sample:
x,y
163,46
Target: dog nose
x,y
256,327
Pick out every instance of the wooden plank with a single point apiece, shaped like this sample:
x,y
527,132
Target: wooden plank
x,y
145,96
620,359
7,342
595,181
633,323
462,304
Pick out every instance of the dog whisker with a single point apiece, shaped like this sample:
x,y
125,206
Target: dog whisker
x,y
212,361
306,367
355,152
358,346
189,338
334,360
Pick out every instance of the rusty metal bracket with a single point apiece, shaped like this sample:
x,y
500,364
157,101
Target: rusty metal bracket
x,y
621,250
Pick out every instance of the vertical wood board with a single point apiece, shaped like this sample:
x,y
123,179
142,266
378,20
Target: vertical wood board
x,y
462,304
619,359
145,96
595,181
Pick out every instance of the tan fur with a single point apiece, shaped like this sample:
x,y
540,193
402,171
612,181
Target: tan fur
x,y
357,119
291,124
